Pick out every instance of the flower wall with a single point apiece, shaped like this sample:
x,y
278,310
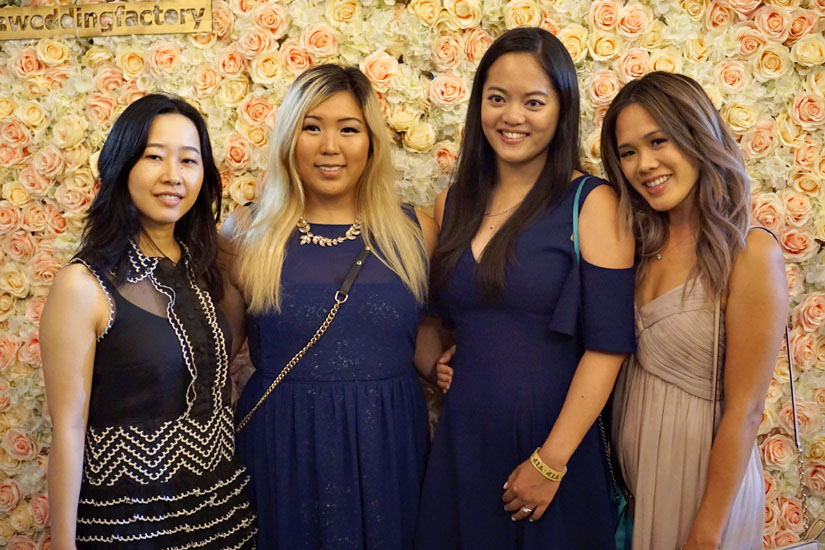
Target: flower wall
x,y
760,62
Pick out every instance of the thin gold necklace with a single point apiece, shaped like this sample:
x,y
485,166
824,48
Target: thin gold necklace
x,y
309,237
489,214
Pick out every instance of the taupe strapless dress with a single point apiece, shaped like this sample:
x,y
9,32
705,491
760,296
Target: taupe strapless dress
x,y
663,411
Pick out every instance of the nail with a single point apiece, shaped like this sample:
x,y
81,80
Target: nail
x,y
506,484
512,518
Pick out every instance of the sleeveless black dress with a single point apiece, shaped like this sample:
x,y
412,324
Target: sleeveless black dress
x,y
159,466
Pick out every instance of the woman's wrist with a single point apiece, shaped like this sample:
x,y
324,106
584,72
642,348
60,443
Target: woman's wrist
x,y
551,459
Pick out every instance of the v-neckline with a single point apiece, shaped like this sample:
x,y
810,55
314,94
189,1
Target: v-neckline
x,y
660,296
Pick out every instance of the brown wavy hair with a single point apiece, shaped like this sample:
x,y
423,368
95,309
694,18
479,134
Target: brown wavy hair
x,y
686,115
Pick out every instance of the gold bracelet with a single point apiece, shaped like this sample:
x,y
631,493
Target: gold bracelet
x,y
544,469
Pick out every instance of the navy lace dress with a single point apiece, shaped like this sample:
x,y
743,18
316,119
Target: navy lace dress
x,y
513,366
337,451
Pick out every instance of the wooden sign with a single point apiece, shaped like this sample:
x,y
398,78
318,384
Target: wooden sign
x,y
106,19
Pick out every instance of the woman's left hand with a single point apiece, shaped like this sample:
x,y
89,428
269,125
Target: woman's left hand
x,y
528,489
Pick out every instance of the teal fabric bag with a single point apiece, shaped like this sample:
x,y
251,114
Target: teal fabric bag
x,y
622,508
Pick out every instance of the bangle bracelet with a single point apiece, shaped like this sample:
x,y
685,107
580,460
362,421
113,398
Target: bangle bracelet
x,y
544,469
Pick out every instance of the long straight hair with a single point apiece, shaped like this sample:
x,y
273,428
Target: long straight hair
x,y
262,238
686,115
113,221
477,172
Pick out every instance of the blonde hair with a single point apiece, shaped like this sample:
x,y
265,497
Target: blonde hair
x,y
686,115
262,236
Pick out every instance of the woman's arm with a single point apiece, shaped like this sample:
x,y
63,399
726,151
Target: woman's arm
x,y
75,313
232,303
605,242
755,317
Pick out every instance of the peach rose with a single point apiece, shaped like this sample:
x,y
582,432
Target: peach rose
x,y
448,51
771,521
234,90
49,161
790,134
267,68
35,183
19,246
604,86
52,52
798,245
750,38
791,515
809,51
10,495
15,133
40,510
476,42
296,58
35,217
340,12
202,40
695,9
254,109
448,90
745,8
740,117
230,61
774,22
57,223
810,315
805,182
445,154
254,42
320,40
550,23
206,80
45,544
236,152
818,6
604,14
275,19
771,491
79,156
100,108
807,417
802,23
808,111
222,20
732,76
242,189
574,38
12,156
815,82
695,49
760,141
10,217
632,64
719,14
130,92
420,137
815,478
466,13
769,210
163,58
654,36
257,136
8,348
521,13
819,167
426,10
666,59
131,62
634,19
797,205
6,309
604,46
803,350
778,452
21,542
72,201
29,351
772,63
19,445
25,63
34,307
242,7
598,119
774,392
380,67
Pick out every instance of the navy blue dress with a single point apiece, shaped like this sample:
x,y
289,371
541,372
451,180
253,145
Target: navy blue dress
x,y
337,451
513,366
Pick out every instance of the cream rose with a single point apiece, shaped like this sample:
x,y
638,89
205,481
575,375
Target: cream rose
x,y
339,12
420,137
7,106
666,59
739,116
21,520
448,51
52,52
426,10
242,189
809,51
403,117
654,36
256,135
320,40
234,90
604,14
632,64
815,82
448,90
467,13
695,49
14,191
805,182
808,111
267,68
731,76
695,9
604,46
521,13
574,38
790,133
772,63
96,56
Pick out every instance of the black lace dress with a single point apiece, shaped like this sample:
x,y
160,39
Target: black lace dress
x,y
159,465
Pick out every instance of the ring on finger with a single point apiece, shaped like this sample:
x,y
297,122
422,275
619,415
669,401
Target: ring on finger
x,y
526,510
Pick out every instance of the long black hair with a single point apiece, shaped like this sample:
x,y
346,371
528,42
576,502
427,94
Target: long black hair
x,y
477,172
113,220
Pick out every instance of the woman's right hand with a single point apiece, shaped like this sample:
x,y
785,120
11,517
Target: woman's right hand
x,y
443,370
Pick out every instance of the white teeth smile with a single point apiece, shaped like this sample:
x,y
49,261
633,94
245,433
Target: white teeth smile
x,y
657,182
329,168
169,197
513,135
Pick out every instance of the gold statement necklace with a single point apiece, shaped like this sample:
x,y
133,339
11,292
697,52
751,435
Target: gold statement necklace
x,y
308,237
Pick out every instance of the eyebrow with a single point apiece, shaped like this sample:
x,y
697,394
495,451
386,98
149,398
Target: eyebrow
x,y
161,146
345,119
536,92
646,136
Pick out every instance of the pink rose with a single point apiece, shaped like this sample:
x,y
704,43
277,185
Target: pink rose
x,y
802,23
476,42
230,62
634,18
34,307
797,205
12,156
109,78
163,58
719,14
784,537
8,349
320,40
236,152
25,63
798,244
43,269
448,51
632,64
732,76
15,133
750,39
222,20
10,217
380,67
803,350
550,23
774,22
35,217
769,210
815,478
19,246
771,491
445,153
57,223
810,315
254,42
448,90
130,92
100,108
10,495
807,418
19,445
34,182
808,111
45,544
21,542
604,14
206,80
40,510
296,58
272,17
778,452
791,515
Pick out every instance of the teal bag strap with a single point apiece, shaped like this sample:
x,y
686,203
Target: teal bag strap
x,y
576,218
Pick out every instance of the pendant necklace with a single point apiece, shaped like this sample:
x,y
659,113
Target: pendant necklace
x,y
308,237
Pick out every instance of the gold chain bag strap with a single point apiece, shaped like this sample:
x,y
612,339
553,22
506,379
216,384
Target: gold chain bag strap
x,y
816,528
340,297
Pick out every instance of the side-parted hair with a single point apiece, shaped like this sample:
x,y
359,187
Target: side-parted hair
x,y
688,118
113,221
262,237
477,171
